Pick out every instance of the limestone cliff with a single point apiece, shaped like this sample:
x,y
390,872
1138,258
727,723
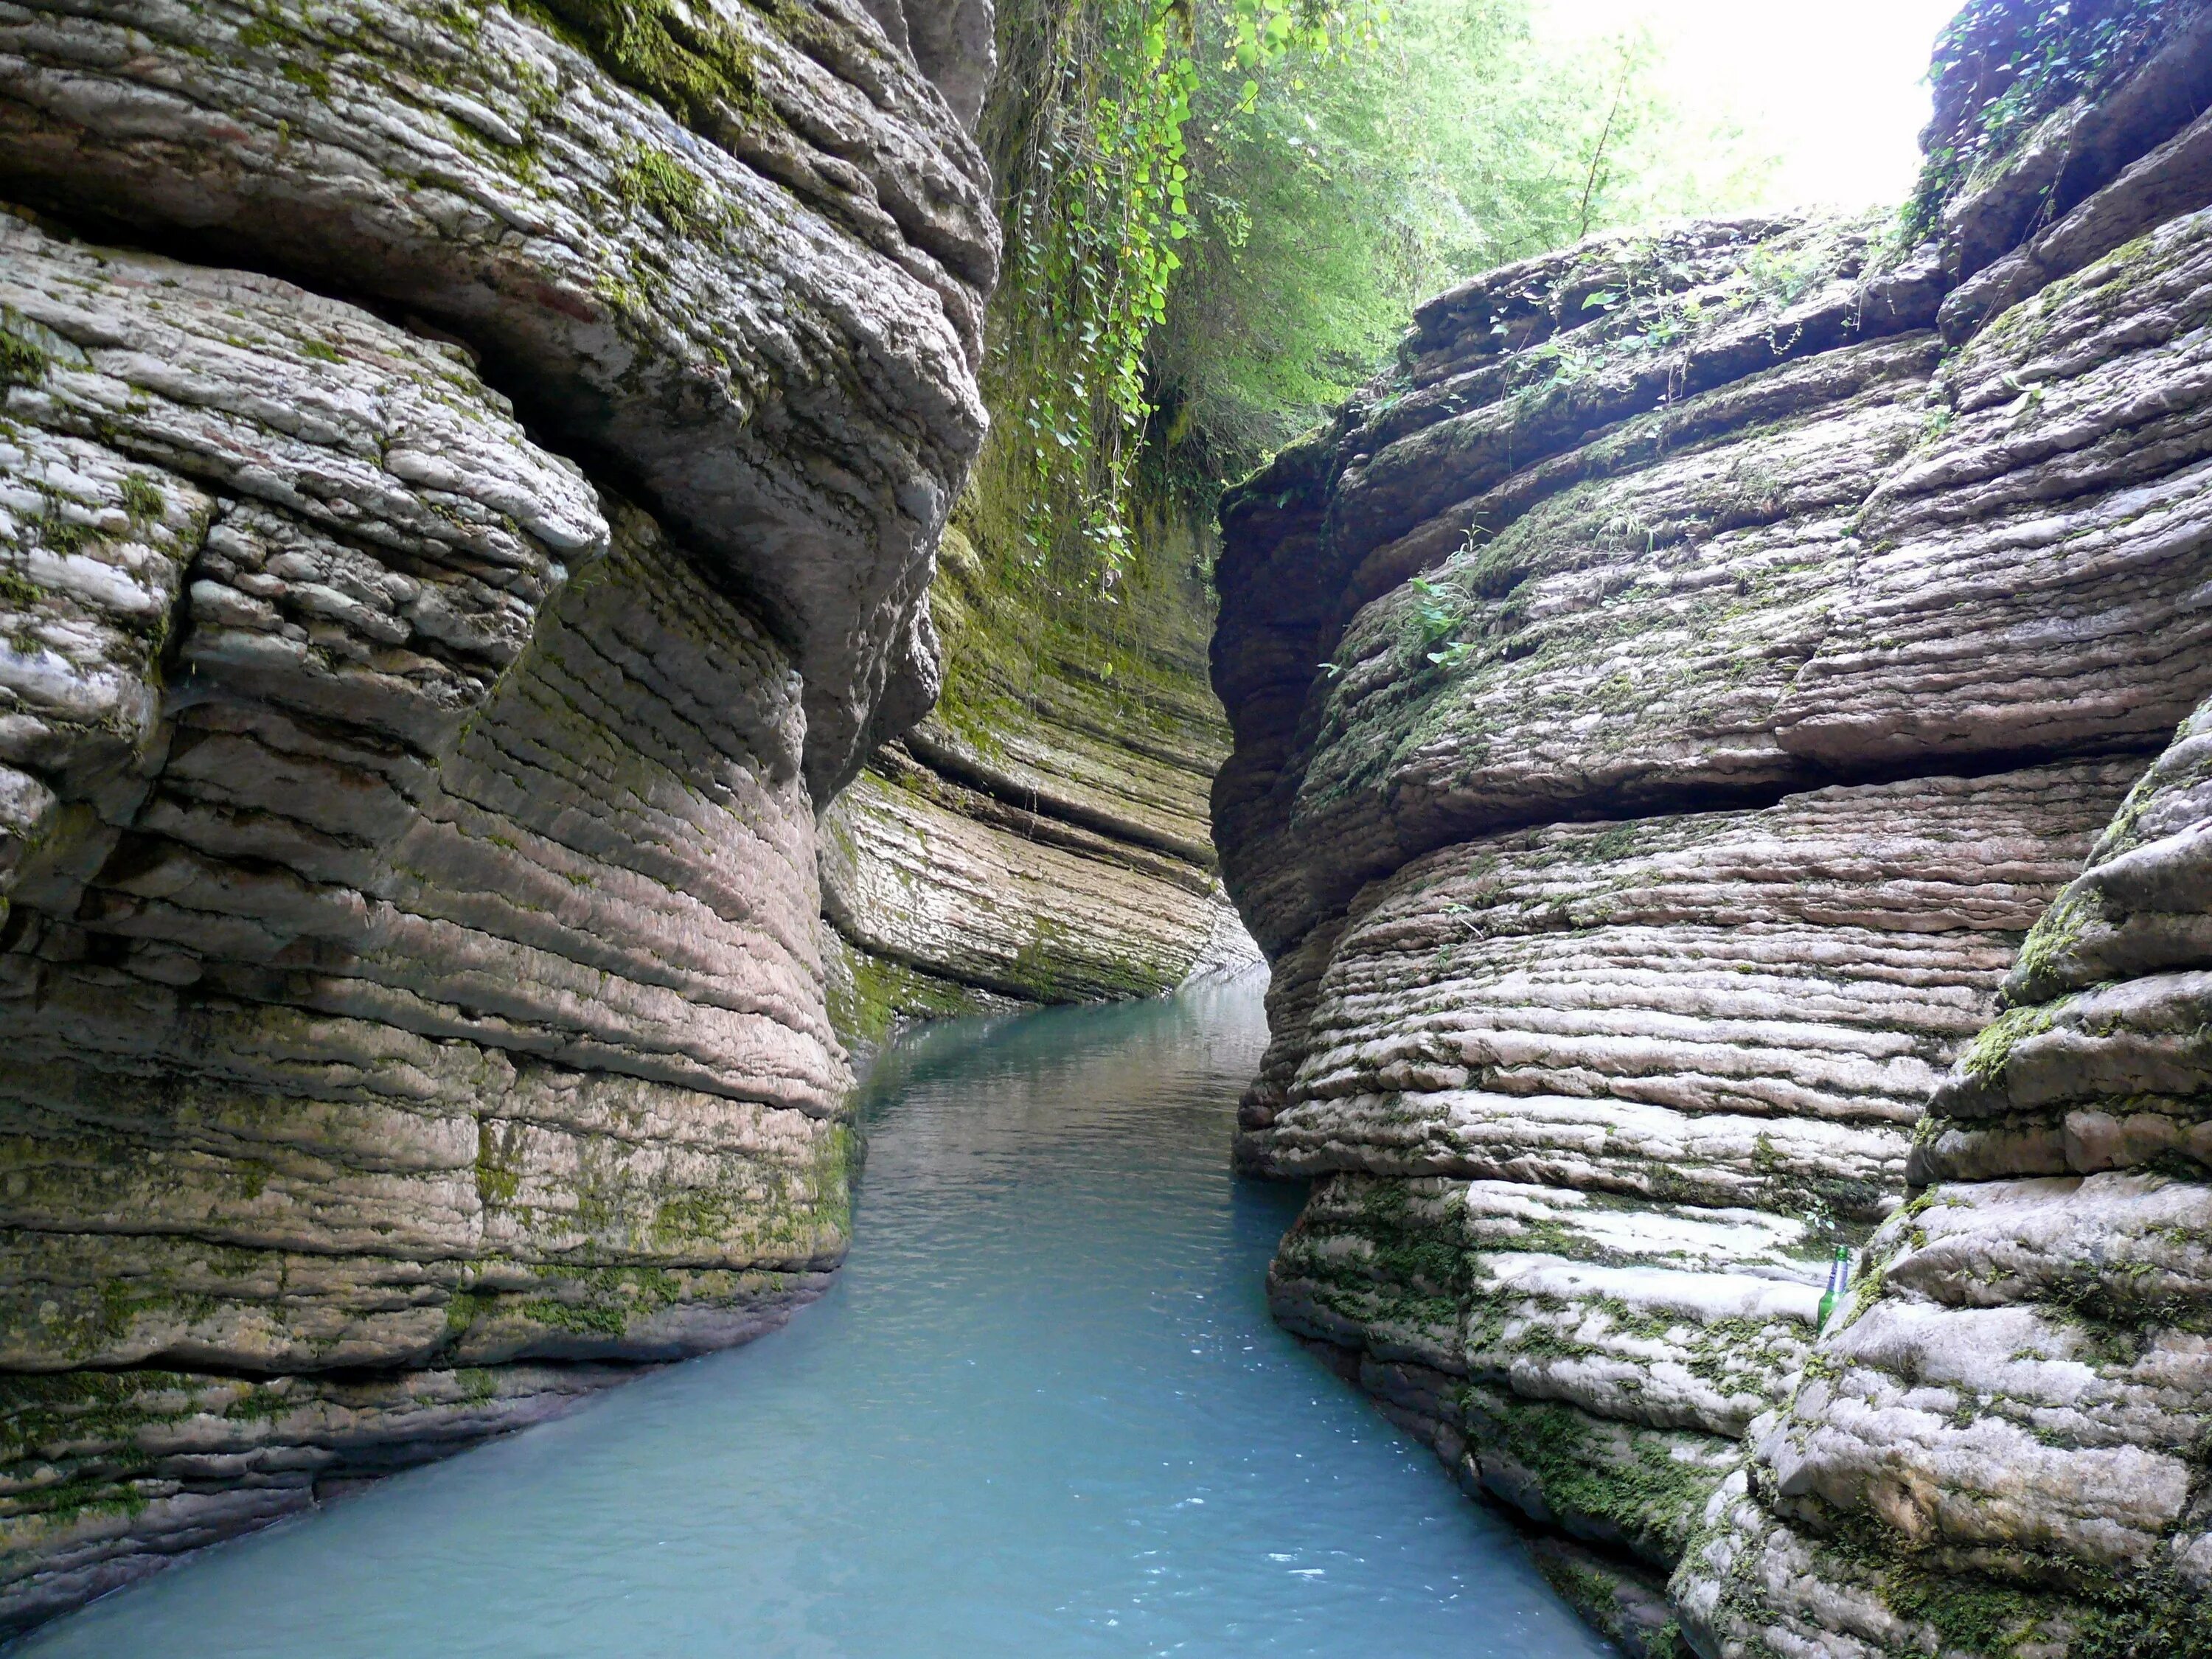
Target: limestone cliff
x,y
1041,837
469,483
1733,640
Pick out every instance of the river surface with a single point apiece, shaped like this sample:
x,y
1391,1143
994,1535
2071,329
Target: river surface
x,y
1043,1414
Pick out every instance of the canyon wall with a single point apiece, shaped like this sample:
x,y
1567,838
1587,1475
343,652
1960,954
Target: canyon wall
x,y
470,479
1042,836
1732,643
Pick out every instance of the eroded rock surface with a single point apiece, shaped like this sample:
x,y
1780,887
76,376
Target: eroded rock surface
x,y
1733,640
412,971
1041,835
2005,1432
741,253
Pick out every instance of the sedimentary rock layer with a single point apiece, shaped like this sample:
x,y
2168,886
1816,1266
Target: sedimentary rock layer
x,y
1819,570
1592,1104
740,253
1732,640
411,963
2006,1429
1041,835
427,975
1730,1008
209,1457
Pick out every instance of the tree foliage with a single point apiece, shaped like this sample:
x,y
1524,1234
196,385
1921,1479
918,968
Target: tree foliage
x,y
1456,142
1219,212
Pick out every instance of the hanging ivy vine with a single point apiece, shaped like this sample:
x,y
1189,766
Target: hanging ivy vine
x,y
1095,183
2002,67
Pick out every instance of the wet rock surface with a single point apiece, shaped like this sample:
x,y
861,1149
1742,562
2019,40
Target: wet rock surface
x,y
470,480
1734,642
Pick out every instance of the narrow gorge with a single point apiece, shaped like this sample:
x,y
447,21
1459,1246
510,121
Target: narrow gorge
x,y
470,791
530,654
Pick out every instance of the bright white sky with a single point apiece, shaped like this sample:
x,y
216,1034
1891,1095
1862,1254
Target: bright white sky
x,y
1836,91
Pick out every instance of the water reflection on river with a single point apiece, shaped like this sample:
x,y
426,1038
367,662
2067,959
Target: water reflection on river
x,y
1043,1414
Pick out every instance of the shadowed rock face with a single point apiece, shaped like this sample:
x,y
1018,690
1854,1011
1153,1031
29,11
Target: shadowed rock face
x,y
411,968
1733,640
1042,834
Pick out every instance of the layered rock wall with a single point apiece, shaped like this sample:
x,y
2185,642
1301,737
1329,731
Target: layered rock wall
x,y
1042,836
469,483
1734,639
2000,1442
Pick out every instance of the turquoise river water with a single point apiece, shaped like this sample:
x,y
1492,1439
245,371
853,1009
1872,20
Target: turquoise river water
x,y
1043,1412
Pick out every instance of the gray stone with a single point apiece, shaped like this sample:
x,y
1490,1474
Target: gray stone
x,y
412,967
748,270
413,959
1675,712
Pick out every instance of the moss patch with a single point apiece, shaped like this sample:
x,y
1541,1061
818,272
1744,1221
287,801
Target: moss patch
x,y
1651,1496
689,61
871,996
672,193
1992,1050
2037,973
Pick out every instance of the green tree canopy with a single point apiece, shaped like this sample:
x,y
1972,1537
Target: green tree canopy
x,y
1219,214
1348,189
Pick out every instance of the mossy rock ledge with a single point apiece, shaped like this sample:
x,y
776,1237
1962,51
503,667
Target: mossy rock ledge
x,y
1041,835
1719,831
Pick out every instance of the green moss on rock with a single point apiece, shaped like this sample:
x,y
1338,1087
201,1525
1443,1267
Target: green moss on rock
x,y
1650,1496
2002,68
697,66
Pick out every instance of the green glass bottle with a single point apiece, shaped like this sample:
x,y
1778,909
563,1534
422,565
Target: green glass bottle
x,y
1840,1280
